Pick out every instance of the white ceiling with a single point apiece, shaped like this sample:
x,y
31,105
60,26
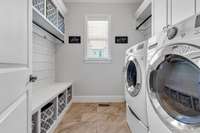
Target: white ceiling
x,y
103,1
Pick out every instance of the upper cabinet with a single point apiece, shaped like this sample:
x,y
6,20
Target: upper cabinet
x,y
14,31
198,6
170,12
49,15
182,9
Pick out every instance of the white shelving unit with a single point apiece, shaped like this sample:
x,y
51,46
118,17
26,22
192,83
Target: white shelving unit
x,y
49,105
49,17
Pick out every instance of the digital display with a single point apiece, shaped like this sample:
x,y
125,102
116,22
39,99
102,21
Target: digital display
x,y
197,22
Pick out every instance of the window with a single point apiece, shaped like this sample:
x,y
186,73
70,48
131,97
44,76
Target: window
x,y
97,44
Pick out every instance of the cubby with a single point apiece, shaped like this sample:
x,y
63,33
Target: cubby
x,y
35,123
61,23
51,12
39,5
69,94
62,101
49,105
48,116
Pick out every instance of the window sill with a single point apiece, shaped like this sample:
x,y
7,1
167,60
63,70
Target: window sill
x,y
97,61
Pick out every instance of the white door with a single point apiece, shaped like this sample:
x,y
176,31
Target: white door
x,y
15,67
198,6
160,17
182,9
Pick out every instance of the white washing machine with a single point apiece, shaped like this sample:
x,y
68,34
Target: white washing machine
x,y
173,80
135,88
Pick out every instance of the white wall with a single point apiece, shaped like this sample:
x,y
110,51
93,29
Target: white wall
x,y
96,79
43,57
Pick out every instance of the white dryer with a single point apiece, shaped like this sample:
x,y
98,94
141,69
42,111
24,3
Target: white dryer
x,y
173,80
135,88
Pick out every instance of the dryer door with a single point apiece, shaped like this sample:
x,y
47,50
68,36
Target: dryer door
x,y
174,86
133,76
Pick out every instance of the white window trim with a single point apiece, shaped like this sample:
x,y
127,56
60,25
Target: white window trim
x,y
95,60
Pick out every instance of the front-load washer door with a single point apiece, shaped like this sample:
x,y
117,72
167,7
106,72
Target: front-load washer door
x,y
133,76
174,86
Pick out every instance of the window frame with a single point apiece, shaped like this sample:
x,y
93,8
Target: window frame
x,y
97,17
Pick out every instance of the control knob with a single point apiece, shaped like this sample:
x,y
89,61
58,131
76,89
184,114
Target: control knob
x,y
172,32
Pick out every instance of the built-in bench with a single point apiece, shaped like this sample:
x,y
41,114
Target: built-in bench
x,y
49,105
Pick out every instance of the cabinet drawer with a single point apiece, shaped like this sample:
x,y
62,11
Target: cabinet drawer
x,y
15,118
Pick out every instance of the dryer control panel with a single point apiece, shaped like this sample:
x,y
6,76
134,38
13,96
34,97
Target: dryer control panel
x,y
197,21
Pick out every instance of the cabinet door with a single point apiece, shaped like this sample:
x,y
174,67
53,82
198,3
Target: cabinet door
x,y
198,6
14,119
182,9
15,65
13,34
160,17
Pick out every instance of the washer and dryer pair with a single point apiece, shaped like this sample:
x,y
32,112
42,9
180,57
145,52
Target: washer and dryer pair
x,y
171,84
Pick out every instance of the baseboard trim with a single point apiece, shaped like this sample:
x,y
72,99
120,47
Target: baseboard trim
x,y
94,99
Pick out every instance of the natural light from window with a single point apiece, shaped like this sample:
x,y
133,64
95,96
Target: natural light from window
x,y
97,38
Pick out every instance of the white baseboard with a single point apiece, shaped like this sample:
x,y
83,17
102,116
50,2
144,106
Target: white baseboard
x,y
94,99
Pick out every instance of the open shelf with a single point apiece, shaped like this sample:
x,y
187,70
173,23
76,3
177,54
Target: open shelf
x,y
48,116
49,105
41,21
35,123
47,16
62,102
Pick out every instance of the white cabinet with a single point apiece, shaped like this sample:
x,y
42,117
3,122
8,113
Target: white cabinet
x,y
15,62
15,119
14,31
198,6
182,9
170,12
160,17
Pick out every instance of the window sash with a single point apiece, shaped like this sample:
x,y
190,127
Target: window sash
x,y
106,56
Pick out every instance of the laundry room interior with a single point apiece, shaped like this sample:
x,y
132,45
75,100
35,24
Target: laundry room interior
x,y
100,66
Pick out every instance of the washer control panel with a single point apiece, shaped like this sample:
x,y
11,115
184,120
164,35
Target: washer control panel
x,y
183,49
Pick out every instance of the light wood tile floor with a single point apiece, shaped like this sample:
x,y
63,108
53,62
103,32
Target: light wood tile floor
x,y
92,118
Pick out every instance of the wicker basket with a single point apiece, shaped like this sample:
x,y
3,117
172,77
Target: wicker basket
x,y
61,24
51,12
48,116
39,5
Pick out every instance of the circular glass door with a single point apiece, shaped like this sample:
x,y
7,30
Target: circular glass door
x,y
133,80
131,74
174,84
